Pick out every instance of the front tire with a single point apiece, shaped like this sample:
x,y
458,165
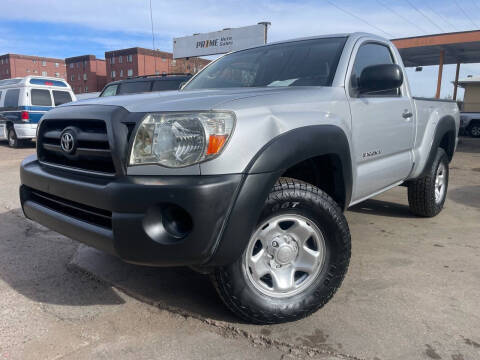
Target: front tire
x,y
13,141
295,260
427,195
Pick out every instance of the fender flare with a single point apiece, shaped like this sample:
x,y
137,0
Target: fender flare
x,y
263,171
445,126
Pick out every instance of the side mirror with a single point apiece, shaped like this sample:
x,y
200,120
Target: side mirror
x,y
381,77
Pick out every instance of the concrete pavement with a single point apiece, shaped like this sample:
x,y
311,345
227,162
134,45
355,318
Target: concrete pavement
x,y
411,292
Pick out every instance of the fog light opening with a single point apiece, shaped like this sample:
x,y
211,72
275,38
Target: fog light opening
x,y
176,221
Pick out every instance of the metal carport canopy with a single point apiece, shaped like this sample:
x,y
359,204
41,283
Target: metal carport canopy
x,y
439,49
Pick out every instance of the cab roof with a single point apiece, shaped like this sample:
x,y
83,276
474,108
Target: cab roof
x,y
35,80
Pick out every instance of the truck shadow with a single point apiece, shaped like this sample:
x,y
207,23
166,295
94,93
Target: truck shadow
x,y
33,262
382,208
179,289
48,268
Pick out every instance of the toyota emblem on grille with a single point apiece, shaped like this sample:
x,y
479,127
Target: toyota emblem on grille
x,y
67,142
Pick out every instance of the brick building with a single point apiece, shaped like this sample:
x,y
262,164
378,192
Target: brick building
x,y
127,63
86,73
14,65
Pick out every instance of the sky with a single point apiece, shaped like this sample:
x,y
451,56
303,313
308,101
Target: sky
x,y
56,28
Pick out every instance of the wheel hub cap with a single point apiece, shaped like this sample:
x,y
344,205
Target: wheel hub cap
x,y
283,249
440,183
284,255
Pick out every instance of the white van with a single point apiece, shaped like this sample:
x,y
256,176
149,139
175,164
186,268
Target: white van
x,y
23,101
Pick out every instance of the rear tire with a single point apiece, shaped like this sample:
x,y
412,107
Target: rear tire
x,y
13,141
302,243
426,195
474,129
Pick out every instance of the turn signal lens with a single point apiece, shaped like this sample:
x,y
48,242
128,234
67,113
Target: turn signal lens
x,y
215,143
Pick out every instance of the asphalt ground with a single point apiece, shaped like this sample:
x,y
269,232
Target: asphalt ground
x,y
412,290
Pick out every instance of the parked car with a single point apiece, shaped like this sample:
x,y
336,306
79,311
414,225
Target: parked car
x,y
143,84
23,101
244,173
470,123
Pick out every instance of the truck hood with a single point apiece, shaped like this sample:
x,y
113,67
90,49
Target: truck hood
x,y
180,100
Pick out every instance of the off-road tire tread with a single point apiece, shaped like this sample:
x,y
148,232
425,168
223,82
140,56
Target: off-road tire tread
x,y
421,191
283,188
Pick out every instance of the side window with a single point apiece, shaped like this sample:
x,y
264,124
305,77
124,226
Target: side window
x,y
368,55
41,97
135,87
161,85
11,99
1,97
61,97
110,91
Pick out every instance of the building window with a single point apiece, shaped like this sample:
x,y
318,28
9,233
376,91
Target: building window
x,y
56,65
84,76
121,72
34,61
84,64
1,61
72,77
44,73
130,72
57,74
174,62
113,74
86,88
71,65
129,58
78,77
120,59
164,59
112,60
28,70
6,71
44,63
6,61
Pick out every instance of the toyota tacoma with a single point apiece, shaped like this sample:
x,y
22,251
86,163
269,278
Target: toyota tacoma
x,y
245,172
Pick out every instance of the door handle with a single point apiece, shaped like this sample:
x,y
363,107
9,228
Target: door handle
x,y
407,114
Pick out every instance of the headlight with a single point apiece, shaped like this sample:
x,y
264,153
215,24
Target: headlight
x,y
181,139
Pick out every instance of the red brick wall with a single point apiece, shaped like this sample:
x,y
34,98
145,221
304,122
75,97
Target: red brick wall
x,y
87,65
148,62
25,65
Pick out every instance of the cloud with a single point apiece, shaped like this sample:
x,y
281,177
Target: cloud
x,y
289,18
95,26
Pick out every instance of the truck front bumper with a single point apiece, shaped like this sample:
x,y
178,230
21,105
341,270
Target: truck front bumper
x,y
160,221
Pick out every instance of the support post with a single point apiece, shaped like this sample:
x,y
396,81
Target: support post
x,y
440,73
455,84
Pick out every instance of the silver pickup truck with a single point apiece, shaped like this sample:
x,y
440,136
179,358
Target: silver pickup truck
x,y
245,172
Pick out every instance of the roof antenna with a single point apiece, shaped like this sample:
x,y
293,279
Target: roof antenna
x,y
151,20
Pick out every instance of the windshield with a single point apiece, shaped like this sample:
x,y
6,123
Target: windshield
x,y
299,63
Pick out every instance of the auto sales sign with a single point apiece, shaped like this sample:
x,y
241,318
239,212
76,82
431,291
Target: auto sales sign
x,y
219,42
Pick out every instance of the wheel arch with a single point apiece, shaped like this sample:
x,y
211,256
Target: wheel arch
x,y
320,144
445,138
